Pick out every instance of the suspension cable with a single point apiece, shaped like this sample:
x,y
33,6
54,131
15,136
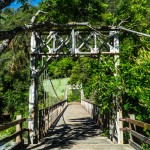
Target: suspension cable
x,y
132,31
53,88
58,99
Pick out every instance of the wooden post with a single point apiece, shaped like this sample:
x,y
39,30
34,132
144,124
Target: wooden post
x,y
132,116
19,128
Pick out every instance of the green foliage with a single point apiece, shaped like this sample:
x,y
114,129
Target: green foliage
x,y
61,68
63,11
14,79
59,86
74,95
14,18
97,78
96,75
14,64
136,85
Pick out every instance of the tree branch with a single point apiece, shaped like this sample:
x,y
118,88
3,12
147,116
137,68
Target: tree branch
x,y
4,45
7,36
37,26
10,34
34,17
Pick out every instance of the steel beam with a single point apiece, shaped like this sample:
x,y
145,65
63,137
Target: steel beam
x,y
33,96
76,43
117,114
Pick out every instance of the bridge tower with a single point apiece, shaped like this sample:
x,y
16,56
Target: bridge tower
x,y
116,99
74,40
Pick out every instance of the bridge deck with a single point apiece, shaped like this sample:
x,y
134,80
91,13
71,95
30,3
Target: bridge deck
x,y
76,130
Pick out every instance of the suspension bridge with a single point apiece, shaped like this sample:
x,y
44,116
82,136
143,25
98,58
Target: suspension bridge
x,y
77,125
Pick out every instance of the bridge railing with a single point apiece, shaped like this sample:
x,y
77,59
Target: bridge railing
x,y
48,116
17,134
136,139
102,120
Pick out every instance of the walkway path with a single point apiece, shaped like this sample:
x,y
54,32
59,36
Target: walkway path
x,y
76,130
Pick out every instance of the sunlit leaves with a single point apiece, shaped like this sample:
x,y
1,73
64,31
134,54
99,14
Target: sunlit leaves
x,y
74,10
25,6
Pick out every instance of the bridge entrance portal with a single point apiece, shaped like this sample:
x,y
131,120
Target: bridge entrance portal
x,y
71,40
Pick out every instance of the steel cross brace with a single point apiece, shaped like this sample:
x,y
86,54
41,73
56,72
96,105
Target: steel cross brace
x,y
73,43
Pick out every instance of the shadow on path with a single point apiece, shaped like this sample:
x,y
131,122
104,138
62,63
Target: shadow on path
x,y
69,131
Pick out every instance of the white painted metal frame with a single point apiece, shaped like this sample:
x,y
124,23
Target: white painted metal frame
x,y
116,114
53,46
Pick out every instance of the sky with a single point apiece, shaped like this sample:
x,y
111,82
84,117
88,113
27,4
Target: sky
x,y
16,5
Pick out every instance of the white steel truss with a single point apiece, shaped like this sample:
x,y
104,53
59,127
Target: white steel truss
x,y
75,41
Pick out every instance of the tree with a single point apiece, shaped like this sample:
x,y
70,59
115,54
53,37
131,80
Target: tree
x,y
5,3
14,74
63,11
61,68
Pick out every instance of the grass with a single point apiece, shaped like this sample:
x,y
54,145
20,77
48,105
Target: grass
x,y
59,86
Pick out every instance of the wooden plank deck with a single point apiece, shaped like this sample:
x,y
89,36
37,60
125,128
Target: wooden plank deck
x,y
76,130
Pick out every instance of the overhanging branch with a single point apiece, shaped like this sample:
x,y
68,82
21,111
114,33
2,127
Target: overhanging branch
x,y
12,33
37,26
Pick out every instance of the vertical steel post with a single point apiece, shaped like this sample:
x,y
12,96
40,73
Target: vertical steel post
x,y
113,111
117,97
95,42
33,99
54,43
73,42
